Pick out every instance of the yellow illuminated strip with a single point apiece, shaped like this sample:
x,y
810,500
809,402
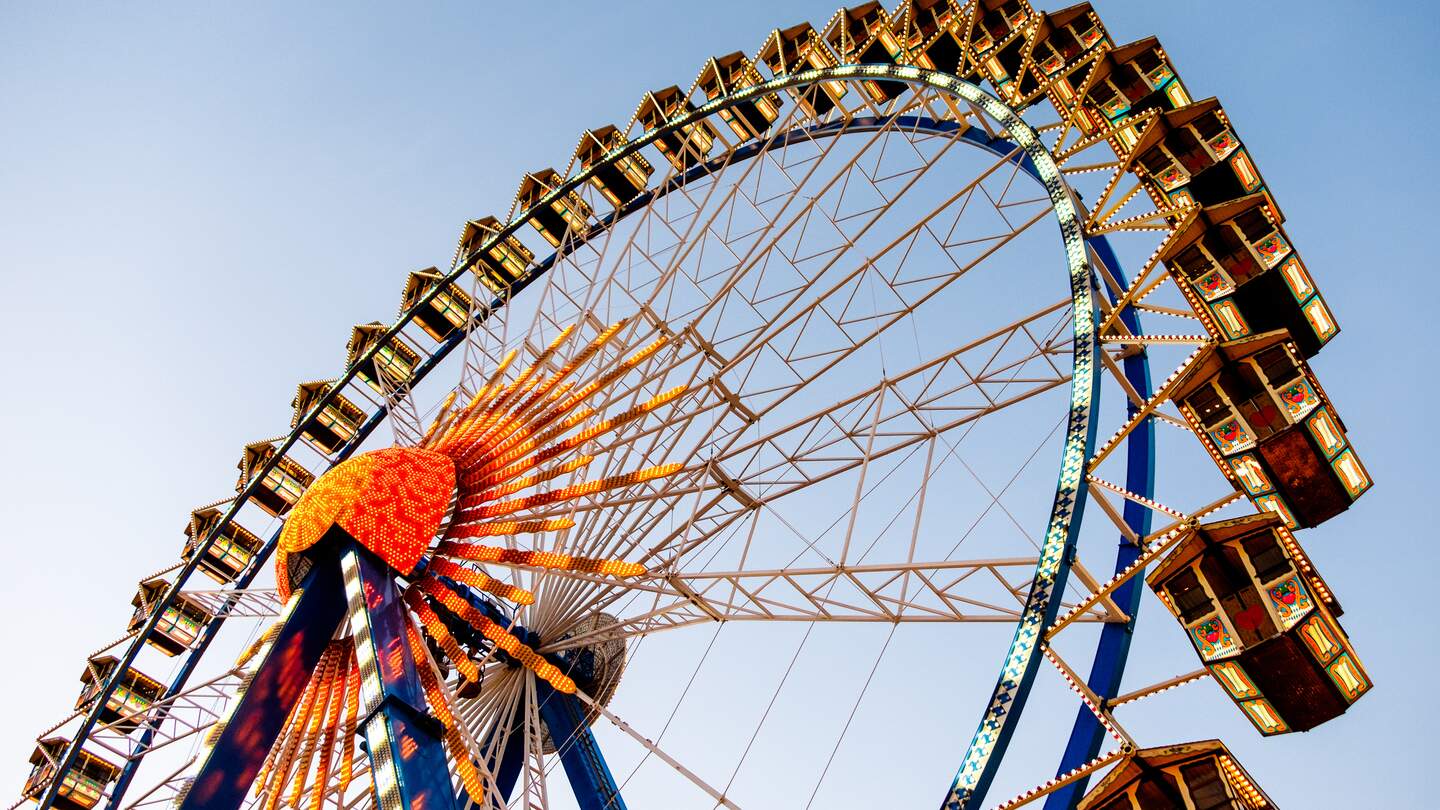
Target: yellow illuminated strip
x,y
498,635
580,396
504,527
324,679
469,775
484,582
439,418
570,492
352,721
482,396
438,631
299,719
476,481
502,457
507,396
481,423
495,443
539,559
271,633
339,683
523,419
614,422
525,482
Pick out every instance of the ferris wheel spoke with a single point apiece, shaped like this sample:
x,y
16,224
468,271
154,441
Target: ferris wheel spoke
x,y
999,366
535,795
836,289
172,719
917,592
655,750
593,286
712,482
237,603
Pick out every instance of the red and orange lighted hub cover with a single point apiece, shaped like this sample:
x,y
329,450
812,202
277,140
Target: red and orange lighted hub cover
x,y
394,501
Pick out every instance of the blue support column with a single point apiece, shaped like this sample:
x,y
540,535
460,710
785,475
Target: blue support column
x,y
406,744
590,778
1087,735
259,714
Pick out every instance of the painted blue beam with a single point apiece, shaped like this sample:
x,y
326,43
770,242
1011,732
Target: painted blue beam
x,y
590,778
405,743
1108,667
259,714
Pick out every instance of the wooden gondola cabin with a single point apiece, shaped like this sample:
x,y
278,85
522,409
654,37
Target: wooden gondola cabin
x,y
84,783
929,34
1234,262
129,700
446,311
1060,42
727,75
178,626
282,484
864,34
998,43
620,180
229,554
1191,155
684,146
500,265
328,426
1189,776
393,364
566,213
1125,82
1262,621
796,49
1266,421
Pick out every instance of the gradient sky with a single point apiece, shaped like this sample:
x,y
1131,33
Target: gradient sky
x,y
196,205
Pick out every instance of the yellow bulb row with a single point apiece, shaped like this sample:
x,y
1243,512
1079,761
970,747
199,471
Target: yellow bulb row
x,y
438,631
497,635
568,493
500,455
539,559
459,752
480,580
490,403
526,482
501,528
467,443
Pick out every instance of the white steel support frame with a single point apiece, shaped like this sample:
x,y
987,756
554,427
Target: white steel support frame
x,y
724,495
732,476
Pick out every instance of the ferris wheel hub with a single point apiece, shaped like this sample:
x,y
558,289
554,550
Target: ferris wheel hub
x,y
394,501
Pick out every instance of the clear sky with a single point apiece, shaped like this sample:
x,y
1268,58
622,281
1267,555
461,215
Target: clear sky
x,y
196,205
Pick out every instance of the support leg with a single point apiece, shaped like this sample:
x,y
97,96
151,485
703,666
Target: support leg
x,y
585,767
406,744
259,714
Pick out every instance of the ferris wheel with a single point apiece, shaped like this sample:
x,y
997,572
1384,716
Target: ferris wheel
x,y
816,342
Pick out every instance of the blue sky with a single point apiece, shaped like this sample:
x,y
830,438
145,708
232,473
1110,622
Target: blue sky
x,y
196,205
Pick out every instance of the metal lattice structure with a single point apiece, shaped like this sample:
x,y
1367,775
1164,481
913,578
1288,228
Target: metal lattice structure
x,y
738,396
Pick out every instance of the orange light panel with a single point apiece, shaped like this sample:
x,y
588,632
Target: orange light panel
x,y
394,501
539,559
498,635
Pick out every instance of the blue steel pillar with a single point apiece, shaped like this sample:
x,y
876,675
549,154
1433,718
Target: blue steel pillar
x,y
590,778
406,744
1087,735
309,622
